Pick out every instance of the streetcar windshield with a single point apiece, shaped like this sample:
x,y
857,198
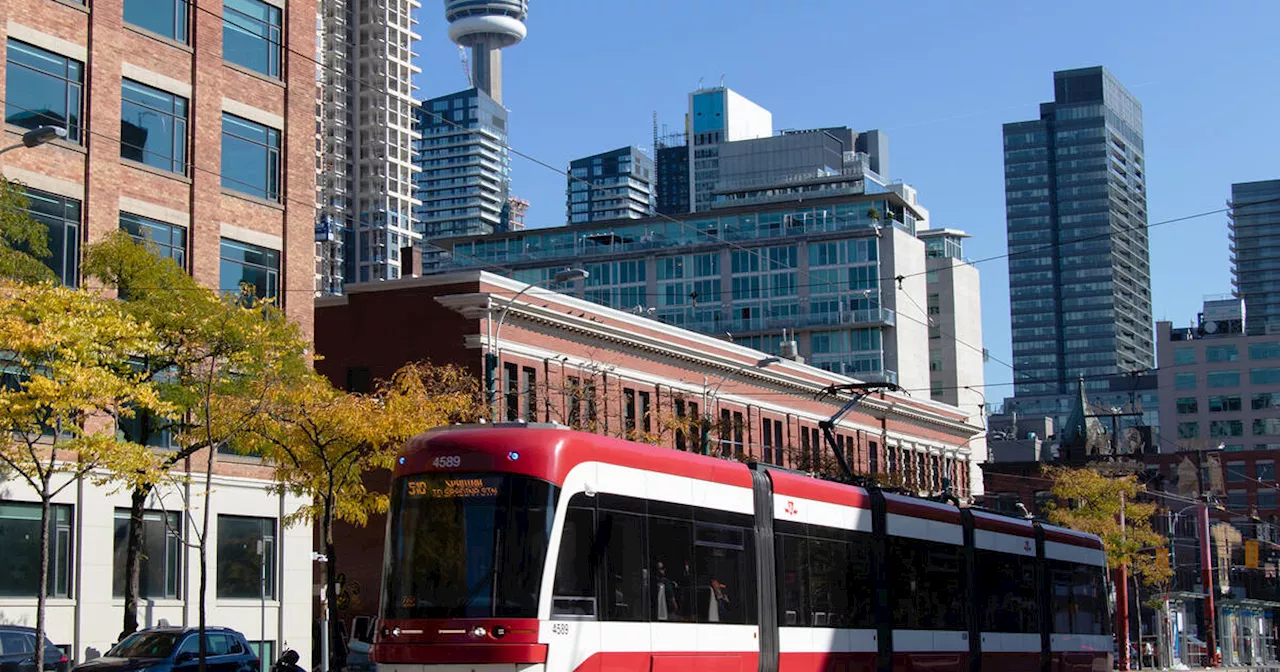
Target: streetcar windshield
x,y
467,545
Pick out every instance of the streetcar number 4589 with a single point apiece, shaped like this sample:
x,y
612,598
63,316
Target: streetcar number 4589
x,y
447,461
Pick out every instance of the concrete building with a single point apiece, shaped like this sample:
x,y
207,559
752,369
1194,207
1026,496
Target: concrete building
x,y
464,179
716,116
365,122
617,184
210,153
1079,274
1219,386
1255,253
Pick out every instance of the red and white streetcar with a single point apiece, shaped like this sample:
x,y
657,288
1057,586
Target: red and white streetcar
x,y
541,549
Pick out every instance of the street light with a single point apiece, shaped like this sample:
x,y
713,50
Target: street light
x,y
38,136
560,277
708,396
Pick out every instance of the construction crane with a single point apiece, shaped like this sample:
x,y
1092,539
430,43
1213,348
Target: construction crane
x,y
466,65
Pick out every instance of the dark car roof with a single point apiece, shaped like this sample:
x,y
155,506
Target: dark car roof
x,y
179,630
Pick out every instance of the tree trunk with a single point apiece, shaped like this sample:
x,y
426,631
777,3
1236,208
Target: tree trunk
x,y
337,648
133,560
204,557
42,593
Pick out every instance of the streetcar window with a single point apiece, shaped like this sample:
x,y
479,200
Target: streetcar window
x,y
927,584
1006,592
824,577
574,593
623,537
725,591
671,566
1079,598
793,566
467,545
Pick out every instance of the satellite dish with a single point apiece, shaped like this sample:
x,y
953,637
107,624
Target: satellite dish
x,y
1211,327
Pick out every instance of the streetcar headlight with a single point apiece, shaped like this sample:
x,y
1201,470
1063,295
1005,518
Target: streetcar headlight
x,y
479,632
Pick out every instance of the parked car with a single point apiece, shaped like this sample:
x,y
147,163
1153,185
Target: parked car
x,y
175,649
18,651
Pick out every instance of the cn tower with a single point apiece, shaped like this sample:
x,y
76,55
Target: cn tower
x,y
486,27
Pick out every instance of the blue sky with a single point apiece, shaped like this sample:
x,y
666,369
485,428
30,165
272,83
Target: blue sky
x,y
940,77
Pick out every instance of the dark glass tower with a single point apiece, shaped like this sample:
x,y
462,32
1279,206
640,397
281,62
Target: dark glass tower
x,y
1076,209
1255,253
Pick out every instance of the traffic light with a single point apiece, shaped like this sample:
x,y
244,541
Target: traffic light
x,y
1251,554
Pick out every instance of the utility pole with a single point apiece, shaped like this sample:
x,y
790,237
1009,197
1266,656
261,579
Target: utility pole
x,y
1206,564
1121,583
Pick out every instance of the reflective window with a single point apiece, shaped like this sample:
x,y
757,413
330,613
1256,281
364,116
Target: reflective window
x,y
245,264
61,216
1006,592
1223,379
1079,601
1221,353
1221,428
169,240
162,17
246,549
20,561
153,127
1264,350
1184,381
1264,376
160,566
250,158
1224,403
42,89
251,35
927,584
1187,405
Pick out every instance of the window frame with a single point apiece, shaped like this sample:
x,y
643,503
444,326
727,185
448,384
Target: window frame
x,y
270,550
273,275
72,78
171,564
59,581
271,147
68,255
167,250
177,116
274,38
181,22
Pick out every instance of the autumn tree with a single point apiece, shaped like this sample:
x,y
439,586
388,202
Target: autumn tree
x,y
68,379
1090,501
217,358
322,441
24,242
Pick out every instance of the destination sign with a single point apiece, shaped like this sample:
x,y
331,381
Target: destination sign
x,y
455,488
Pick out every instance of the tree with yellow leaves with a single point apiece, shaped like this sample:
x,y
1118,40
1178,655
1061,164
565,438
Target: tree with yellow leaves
x,y
69,376
322,441
1090,501
216,360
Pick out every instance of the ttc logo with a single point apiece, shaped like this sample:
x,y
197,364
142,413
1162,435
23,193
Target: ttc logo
x,y
791,508
1026,546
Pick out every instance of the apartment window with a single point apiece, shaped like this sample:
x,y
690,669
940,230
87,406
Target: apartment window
x,y
1221,428
1266,499
153,127
1235,472
738,428
61,216
161,563
1266,426
250,158
246,557
1184,356
244,264
1264,376
1224,404
1265,470
530,394
1237,500
1188,430
645,422
1264,350
251,35
20,562
1222,379
169,240
681,443
1184,381
1221,353
42,89
167,18
1188,405
1265,400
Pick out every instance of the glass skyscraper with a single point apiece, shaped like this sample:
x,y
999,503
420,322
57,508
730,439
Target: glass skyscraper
x,y
1076,209
465,168
1255,253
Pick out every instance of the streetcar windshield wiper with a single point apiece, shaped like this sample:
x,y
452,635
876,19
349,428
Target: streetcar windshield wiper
x,y
461,609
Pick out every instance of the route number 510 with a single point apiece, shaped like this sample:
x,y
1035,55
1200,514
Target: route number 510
x,y
447,461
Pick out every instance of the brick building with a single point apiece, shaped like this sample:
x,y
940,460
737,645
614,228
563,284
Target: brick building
x,y
190,123
568,360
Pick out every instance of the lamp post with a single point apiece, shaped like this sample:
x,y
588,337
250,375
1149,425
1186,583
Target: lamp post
x,y
709,395
491,359
262,590
37,136
324,618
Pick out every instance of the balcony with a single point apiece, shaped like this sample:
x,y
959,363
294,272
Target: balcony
x,y
880,317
